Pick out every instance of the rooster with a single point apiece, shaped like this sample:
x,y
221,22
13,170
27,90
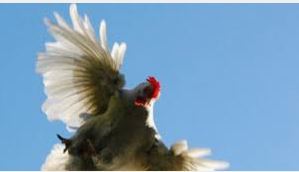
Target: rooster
x,y
114,127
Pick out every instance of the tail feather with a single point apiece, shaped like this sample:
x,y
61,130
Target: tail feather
x,y
199,152
191,159
179,147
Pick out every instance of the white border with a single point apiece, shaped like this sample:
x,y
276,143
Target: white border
x,y
149,1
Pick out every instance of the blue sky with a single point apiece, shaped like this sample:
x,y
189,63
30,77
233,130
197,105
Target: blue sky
x,y
229,74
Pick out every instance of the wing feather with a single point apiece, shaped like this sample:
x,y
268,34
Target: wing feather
x,y
79,73
103,33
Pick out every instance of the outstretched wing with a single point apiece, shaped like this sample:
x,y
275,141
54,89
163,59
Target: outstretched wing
x,y
79,72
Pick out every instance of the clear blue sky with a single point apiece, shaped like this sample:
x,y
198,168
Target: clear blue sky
x,y
229,73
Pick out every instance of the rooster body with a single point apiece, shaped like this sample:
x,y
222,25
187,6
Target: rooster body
x,y
113,138
114,127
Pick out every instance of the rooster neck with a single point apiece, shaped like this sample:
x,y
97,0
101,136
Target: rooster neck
x,y
150,121
129,96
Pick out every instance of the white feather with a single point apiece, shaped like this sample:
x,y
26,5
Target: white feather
x,y
191,160
103,35
118,52
179,147
56,160
121,53
76,20
200,152
60,21
114,52
215,165
89,29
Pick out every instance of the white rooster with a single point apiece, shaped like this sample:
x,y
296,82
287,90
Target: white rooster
x,y
114,127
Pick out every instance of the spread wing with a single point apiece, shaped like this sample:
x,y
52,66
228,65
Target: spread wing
x,y
80,74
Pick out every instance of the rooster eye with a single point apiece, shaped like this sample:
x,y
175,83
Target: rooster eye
x,y
147,91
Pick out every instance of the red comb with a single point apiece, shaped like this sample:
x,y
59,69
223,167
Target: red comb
x,y
155,84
